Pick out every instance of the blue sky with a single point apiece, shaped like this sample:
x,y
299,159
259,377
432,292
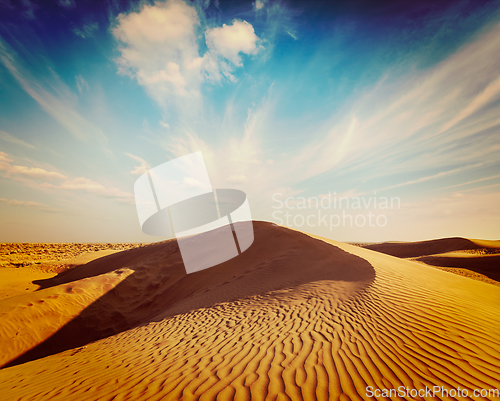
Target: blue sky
x,y
362,100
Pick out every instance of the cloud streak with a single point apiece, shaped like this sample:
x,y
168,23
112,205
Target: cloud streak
x,y
432,123
30,204
12,139
420,121
52,95
142,168
88,185
14,170
39,178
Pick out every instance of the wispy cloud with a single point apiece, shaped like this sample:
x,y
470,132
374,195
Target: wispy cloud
x,y
87,31
29,9
37,177
431,119
52,95
66,3
14,170
142,168
431,177
81,84
437,120
4,157
259,4
31,204
482,188
10,138
471,182
88,185
237,178
34,172
418,122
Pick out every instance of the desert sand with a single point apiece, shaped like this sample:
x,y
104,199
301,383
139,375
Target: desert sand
x,y
23,264
473,258
294,317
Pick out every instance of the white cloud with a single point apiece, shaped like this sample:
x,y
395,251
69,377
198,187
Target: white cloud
x,y
170,74
259,4
159,48
229,41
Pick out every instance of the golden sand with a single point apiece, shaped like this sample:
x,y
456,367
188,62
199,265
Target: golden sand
x,y
294,317
24,264
473,258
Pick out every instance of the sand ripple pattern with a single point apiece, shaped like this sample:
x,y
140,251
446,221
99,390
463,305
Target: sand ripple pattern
x,y
411,326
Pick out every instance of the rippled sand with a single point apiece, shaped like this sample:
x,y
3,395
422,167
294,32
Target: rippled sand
x,y
294,317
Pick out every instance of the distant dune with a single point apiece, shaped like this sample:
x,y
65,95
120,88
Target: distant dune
x,y
431,247
477,259
294,317
487,265
23,263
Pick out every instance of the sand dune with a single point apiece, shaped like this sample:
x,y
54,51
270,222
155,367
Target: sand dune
x,y
294,317
487,265
432,247
160,287
477,259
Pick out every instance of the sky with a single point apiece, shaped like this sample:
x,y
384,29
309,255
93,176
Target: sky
x,y
357,121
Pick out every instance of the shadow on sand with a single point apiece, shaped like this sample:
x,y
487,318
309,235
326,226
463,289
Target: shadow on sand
x,y
159,287
425,248
488,265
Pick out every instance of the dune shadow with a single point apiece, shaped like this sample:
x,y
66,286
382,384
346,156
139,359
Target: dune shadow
x,y
109,263
159,287
424,248
486,265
